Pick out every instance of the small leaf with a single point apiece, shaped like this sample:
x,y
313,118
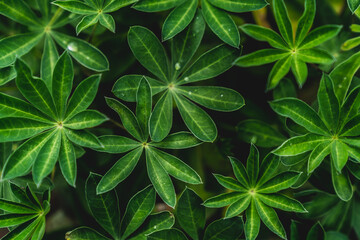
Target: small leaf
x,y
252,165
221,24
238,207
320,35
67,160
179,140
85,119
341,183
279,182
352,127
299,69
229,183
239,171
224,229
224,199
107,21
268,167
339,154
283,21
190,213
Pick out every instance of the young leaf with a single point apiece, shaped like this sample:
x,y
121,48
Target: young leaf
x,y
179,140
67,160
121,170
283,21
221,24
143,107
223,229
104,207
179,19
148,51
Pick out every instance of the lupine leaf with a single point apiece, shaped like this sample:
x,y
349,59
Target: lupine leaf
x,y
268,168
113,5
239,171
252,224
223,229
14,207
229,183
83,138
48,61
315,56
156,5
143,107
117,144
173,234
238,207
243,6
279,71
19,11
320,35
86,22
299,69
224,199
283,21
318,154
305,21
252,165
11,220
83,233
352,127
160,121
339,154
341,183
179,140
279,182
350,106
107,21
261,57
85,119
282,202
75,6
67,160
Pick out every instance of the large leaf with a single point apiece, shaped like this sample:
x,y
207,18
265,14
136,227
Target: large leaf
x,y
301,113
148,51
283,21
190,213
224,229
121,170
221,24
86,54
239,6
179,19
139,207
104,207
196,119
216,98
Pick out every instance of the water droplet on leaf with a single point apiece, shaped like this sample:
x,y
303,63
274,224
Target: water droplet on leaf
x,y
177,66
186,79
72,47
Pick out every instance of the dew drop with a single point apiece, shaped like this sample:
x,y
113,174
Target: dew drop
x,y
229,30
345,78
340,86
177,66
221,95
155,227
186,79
253,139
190,92
72,47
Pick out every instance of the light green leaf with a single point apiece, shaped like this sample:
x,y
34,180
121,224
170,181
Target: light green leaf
x,y
83,138
172,234
239,6
67,160
261,57
238,207
224,229
119,171
12,220
161,118
221,24
156,5
239,171
264,34
34,90
252,224
283,21
160,179
299,69
47,158
339,154
270,218
48,61
86,54
144,106
7,74
215,98
117,144
179,140
83,96
23,231
114,5
301,113
139,207
104,207
190,213
175,167
224,199
179,19
127,117
85,119
19,11
252,165
75,6
14,207
341,183
84,233
148,51
282,202
320,35
196,119
315,56
305,21
107,21
278,72
281,181
350,44
86,22
353,5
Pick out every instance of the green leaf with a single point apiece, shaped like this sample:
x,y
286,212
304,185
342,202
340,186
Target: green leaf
x,y
282,202
353,5
62,82
161,118
190,213
283,21
316,232
185,44
107,21
117,144
341,183
83,52
239,7
160,179
215,98
14,207
12,220
21,160
83,138
279,182
119,171
230,183
305,21
148,50
259,133
239,171
270,218
252,224
86,22
318,154
23,231
175,167
238,207
34,90
261,57
224,199
350,107
48,61
127,117
83,96
16,129
268,168
196,119
264,34
20,194
211,64
85,119
75,6
17,46
224,229
114,5
279,71
252,165
7,74
300,144
143,106
179,140
84,233
104,207
301,113
67,160
315,56
350,44
19,11
126,87
172,234
320,35
47,158
221,24
179,19
155,222
139,207
352,127
299,69
156,5
286,88
339,154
